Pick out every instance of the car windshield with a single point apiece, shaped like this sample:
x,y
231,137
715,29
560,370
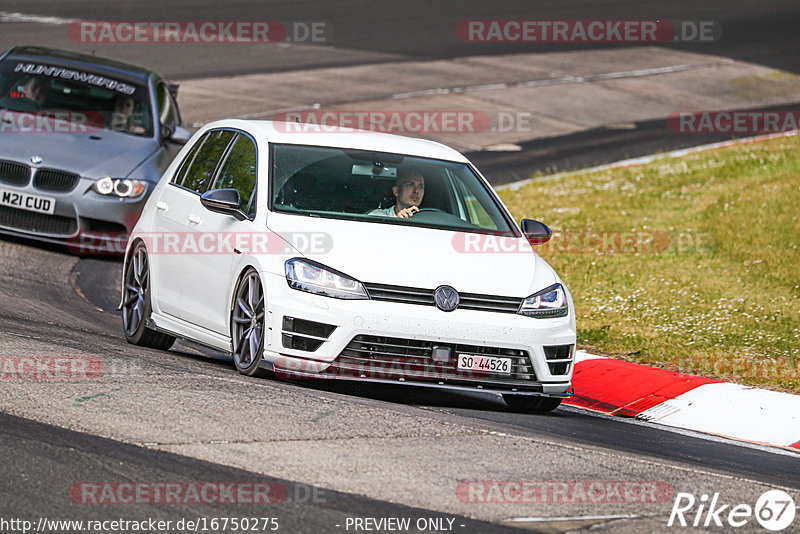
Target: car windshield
x,y
370,186
75,94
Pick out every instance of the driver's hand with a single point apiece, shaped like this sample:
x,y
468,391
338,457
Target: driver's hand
x,y
407,212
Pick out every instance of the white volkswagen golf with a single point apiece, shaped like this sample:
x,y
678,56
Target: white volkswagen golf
x,y
348,255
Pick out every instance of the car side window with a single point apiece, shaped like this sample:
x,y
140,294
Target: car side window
x,y
198,176
187,161
239,172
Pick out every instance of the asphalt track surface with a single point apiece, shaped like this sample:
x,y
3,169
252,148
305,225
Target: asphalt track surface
x,y
98,281
38,458
762,32
366,32
41,461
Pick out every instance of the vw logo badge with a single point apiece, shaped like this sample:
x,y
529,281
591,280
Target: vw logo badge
x,y
36,160
446,298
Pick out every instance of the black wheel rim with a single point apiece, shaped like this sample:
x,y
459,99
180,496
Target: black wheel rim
x,y
137,279
248,322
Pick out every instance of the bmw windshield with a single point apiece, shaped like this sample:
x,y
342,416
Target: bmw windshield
x,y
382,187
68,94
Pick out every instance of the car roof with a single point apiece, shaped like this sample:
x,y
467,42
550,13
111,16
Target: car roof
x,y
98,64
287,133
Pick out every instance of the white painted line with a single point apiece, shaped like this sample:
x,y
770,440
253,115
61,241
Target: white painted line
x,y
737,411
487,87
425,92
6,16
503,147
513,186
574,518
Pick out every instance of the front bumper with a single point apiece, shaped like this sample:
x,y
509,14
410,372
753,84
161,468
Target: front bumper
x,y
389,342
87,223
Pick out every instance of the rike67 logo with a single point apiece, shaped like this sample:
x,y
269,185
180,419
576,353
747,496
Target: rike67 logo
x,y
774,510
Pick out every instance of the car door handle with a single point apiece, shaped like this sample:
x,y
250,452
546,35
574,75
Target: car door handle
x,y
162,206
194,219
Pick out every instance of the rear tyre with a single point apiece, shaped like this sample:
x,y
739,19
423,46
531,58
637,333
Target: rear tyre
x,y
531,404
136,307
247,324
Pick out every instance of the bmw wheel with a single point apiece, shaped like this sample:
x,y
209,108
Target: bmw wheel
x,y
136,306
247,324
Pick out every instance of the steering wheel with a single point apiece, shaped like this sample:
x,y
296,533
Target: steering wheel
x,y
430,210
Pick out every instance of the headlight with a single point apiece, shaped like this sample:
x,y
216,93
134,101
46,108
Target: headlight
x,y
121,187
549,302
310,276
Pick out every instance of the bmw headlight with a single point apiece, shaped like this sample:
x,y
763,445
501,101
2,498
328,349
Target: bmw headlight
x,y
310,276
547,303
120,187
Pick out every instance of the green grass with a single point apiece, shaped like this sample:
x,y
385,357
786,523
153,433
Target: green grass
x,y
700,268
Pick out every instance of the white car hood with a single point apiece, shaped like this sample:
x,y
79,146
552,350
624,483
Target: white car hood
x,y
413,256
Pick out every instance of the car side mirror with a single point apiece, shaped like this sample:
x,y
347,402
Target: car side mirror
x,y
178,134
535,232
225,201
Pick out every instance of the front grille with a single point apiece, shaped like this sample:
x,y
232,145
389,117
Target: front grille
x,y
52,180
411,359
14,173
469,301
39,223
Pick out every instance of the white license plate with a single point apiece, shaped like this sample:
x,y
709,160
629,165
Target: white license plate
x,y
25,201
485,364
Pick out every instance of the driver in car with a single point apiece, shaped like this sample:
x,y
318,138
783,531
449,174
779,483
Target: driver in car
x,y
34,94
408,189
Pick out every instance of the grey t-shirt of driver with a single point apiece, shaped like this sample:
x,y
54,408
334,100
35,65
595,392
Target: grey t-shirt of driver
x,y
385,212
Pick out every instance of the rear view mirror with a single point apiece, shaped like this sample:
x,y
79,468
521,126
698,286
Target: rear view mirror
x,y
535,232
225,201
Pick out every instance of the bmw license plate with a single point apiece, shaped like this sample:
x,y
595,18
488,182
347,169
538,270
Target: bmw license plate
x,y
25,201
485,364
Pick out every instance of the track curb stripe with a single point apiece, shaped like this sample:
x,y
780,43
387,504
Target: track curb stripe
x,y
627,389
669,398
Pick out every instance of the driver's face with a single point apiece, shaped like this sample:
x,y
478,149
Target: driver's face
x,y
36,90
409,191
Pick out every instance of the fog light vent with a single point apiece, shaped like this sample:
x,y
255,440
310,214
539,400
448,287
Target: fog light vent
x,y
301,334
559,358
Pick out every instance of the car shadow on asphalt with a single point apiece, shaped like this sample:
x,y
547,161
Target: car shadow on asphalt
x,y
409,395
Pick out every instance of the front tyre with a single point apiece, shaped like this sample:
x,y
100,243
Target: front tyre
x,y
531,404
247,323
136,306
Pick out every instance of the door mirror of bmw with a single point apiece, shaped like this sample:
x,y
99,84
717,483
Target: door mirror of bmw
x,y
178,135
225,201
535,232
